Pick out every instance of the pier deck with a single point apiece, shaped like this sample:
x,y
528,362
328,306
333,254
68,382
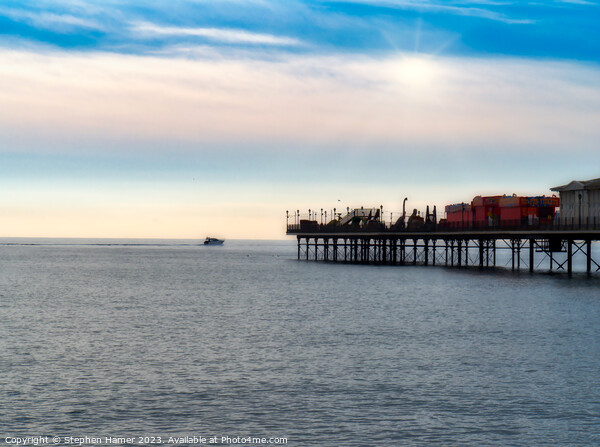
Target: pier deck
x,y
551,248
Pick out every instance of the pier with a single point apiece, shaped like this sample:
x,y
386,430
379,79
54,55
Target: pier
x,y
532,247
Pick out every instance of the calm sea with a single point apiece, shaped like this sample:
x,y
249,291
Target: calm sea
x,y
168,338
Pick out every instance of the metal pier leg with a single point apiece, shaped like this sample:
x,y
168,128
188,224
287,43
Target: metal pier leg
x,y
446,240
375,247
433,252
362,250
402,251
480,253
335,249
466,252
350,250
531,254
452,252
316,249
376,251
588,244
298,237
570,257
512,249
459,252
346,249
494,251
307,245
519,254
415,252
426,244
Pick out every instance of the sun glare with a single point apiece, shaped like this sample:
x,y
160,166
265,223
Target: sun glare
x,y
416,71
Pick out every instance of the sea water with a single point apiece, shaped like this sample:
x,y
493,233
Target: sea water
x,y
245,345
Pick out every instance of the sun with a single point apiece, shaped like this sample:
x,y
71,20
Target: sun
x,y
415,70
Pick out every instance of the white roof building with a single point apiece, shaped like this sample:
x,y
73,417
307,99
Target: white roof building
x,y
580,202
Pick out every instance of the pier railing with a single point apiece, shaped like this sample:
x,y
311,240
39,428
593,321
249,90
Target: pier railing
x,y
313,226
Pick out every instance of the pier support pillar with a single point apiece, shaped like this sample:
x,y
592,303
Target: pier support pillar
x,y
480,253
569,257
345,250
512,250
446,261
335,250
588,252
531,254
307,245
402,251
414,252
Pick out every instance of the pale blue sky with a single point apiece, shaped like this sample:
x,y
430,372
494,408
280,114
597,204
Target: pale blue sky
x,y
188,118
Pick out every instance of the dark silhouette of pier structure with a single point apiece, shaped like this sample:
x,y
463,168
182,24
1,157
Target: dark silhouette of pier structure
x,y
535,247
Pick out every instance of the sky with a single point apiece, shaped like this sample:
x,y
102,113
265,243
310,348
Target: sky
x,y
194,118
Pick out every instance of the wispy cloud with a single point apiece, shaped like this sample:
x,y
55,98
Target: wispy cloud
x,y
465,8
217,34
52,21
554,29
392,103
578,2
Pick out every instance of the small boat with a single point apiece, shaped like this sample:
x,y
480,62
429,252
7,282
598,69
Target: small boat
x,y
213,241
